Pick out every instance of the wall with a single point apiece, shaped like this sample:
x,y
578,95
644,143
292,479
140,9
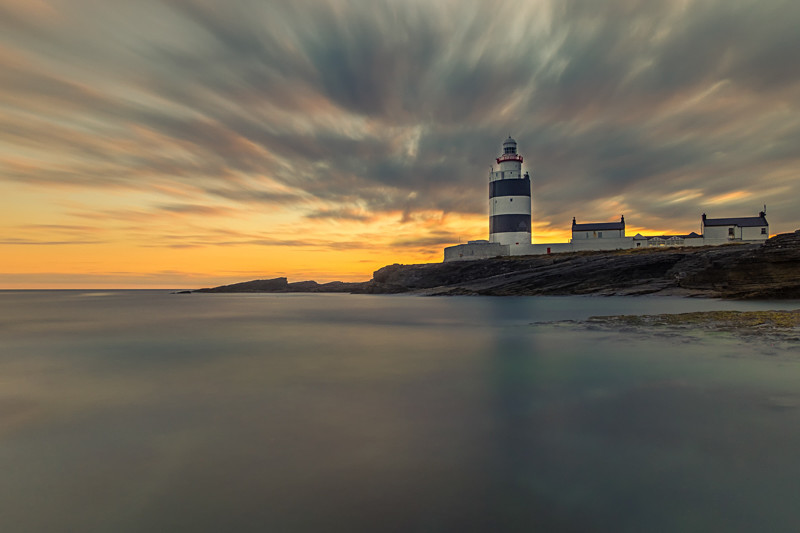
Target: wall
x,y
754,234
718,233
607,234
620,243
510,205
469,252
541,249
657,242
560,247
697,241
717,242
511,239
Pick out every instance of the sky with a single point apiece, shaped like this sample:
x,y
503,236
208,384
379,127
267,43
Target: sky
x,y
191,143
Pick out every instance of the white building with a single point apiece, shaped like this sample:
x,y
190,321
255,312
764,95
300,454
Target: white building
x,y
743,229
510,223
599,236
598,230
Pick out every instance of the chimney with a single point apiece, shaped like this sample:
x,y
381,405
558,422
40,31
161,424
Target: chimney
x,y
573,221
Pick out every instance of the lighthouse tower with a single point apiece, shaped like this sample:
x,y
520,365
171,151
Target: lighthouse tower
x,y
509,199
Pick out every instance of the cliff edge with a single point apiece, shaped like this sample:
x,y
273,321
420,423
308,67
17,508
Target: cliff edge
x,y
738,271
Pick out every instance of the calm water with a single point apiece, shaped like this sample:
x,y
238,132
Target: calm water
x,y
145,411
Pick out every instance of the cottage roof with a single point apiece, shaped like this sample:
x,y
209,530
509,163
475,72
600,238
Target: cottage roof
x,y
742,222
599,226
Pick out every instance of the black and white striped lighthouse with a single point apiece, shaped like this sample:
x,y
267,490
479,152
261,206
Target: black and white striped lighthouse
x,y
509,199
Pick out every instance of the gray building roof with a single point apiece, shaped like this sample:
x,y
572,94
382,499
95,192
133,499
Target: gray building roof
x,y
742,222
600,226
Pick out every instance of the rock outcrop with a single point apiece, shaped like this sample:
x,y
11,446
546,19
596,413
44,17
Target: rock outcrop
x,y
769,271
764,327
283,285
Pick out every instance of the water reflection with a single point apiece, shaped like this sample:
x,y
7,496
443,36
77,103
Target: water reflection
x,y
147,411
516,380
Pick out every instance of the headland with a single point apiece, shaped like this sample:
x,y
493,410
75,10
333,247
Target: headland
x,y
737,271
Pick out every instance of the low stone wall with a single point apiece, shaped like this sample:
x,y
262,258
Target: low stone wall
x,y
469,252
621,243
542,249
486,250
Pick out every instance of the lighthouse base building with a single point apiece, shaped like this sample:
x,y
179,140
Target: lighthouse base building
x,y
510,224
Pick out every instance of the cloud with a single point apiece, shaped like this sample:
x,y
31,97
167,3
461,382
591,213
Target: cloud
x,y
16,241
437,239
205,210
340,214
353,111
69,228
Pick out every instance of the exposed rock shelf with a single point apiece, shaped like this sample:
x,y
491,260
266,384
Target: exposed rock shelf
x,y
774,326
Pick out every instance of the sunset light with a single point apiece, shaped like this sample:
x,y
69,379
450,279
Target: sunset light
x,y
186,143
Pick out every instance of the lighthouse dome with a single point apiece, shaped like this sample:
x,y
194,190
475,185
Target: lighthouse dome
x,y
510,146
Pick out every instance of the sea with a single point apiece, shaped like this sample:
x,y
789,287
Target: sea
x,y
131,411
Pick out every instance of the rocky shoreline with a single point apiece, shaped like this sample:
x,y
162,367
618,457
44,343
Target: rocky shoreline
x,y
283,285
735,271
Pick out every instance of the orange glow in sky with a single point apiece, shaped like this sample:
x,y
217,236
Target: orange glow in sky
x,y
190,144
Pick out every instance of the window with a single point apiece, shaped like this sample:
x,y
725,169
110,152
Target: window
x,y
731,233
763,231
599,234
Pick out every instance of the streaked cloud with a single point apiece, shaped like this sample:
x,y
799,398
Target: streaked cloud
x,y
727,198
341,214
190,209
15,241
318,121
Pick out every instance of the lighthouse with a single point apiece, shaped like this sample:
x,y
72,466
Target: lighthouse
x,y
510,224
509,199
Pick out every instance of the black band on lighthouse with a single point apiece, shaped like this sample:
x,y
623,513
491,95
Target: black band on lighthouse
x,y
510,187
509,223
